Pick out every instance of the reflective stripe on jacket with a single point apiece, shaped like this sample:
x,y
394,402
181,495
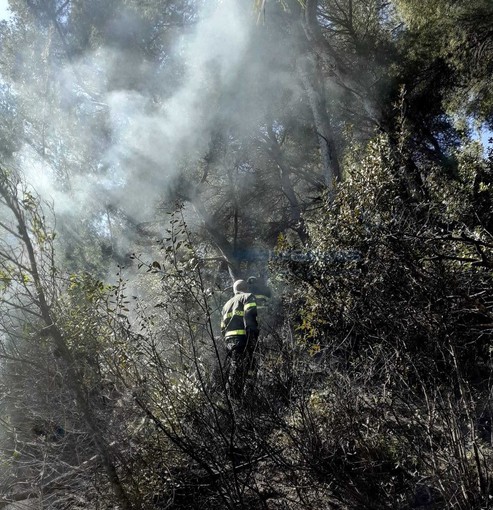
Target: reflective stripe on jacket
x,y
239,316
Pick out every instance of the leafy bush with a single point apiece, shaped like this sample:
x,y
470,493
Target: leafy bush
x,y
407,325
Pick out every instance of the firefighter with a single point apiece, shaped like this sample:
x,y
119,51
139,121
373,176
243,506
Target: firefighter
x,y
240,331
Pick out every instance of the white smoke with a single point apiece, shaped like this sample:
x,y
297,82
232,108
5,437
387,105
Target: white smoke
x,y
150,140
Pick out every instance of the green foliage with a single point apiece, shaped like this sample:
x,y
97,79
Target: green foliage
x,y
405,322
458,34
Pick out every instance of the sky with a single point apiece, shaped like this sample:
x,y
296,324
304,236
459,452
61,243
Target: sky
x,y
4,13
486,135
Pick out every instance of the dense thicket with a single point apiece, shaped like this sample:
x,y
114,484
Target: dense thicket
x,y
154,151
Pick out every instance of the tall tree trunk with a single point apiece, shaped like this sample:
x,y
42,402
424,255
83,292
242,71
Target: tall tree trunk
x,y
310,76
297,221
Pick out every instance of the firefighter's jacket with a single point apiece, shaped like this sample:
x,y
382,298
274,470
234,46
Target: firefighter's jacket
x,y
239,317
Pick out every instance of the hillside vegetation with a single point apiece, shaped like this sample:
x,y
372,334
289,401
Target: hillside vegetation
x,y
152,152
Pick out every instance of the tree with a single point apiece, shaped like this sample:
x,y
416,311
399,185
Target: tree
x,y
408,322
459,35
31,293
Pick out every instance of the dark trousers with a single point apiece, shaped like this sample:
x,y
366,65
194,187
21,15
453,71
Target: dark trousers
x,y
240,362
